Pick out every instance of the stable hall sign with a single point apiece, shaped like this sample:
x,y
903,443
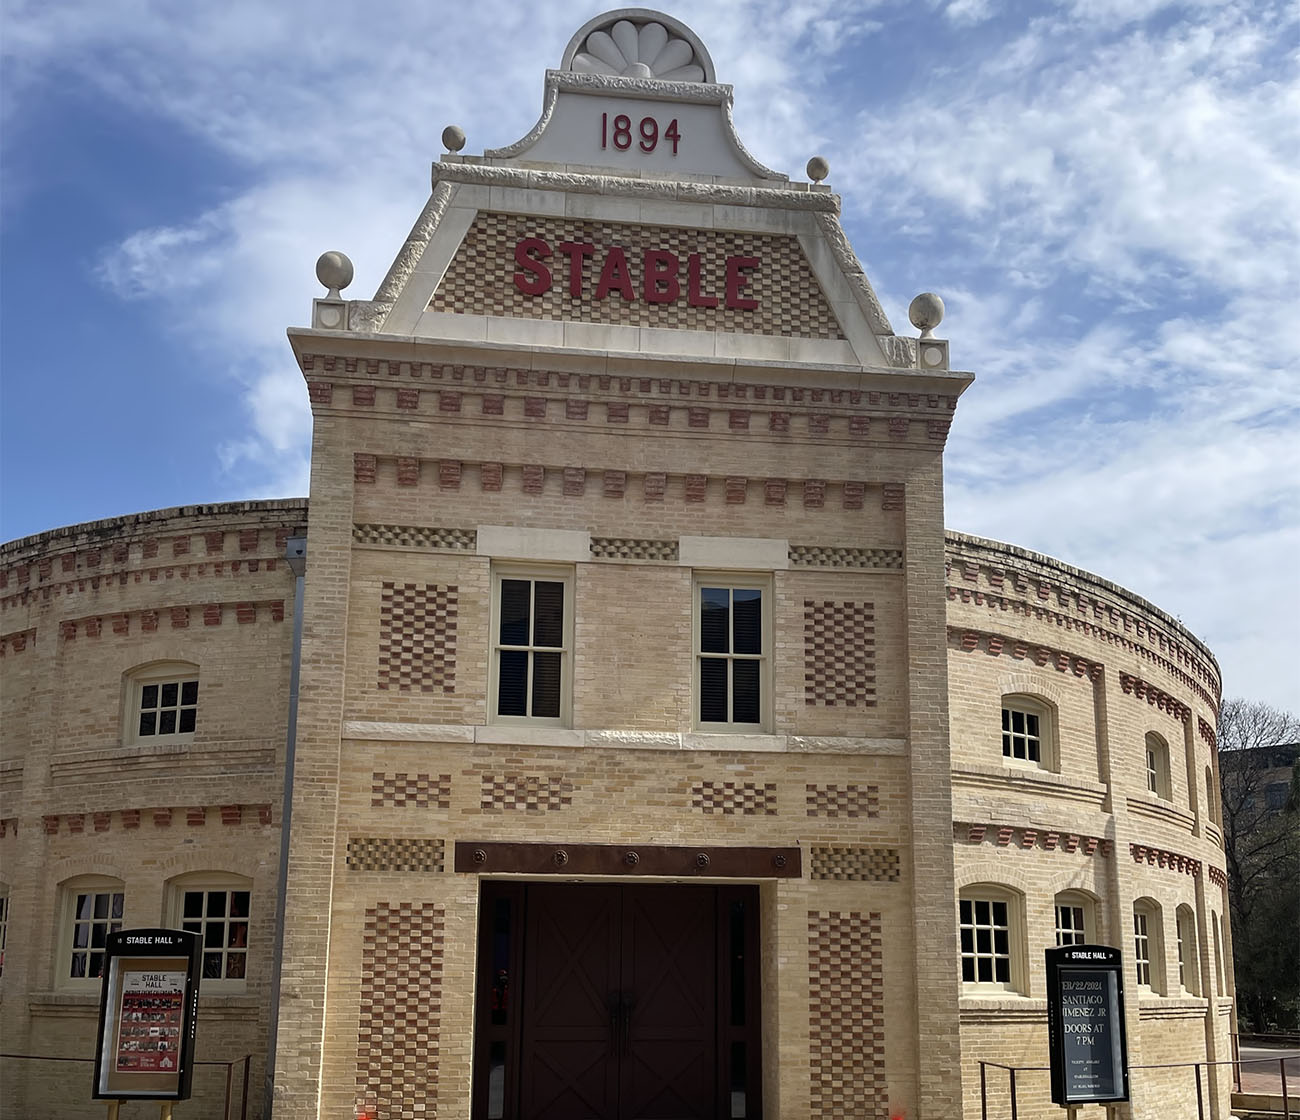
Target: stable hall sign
x,y
1085,1025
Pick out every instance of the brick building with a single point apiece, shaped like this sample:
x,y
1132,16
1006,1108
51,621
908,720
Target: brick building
x,y
657,752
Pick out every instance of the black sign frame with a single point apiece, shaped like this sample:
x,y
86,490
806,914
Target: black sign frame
x,y
148,1015
1086,1034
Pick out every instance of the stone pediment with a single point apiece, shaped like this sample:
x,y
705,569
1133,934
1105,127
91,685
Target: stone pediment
x,y
631,219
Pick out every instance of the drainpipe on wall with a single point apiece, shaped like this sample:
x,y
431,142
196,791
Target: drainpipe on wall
x,y
295,555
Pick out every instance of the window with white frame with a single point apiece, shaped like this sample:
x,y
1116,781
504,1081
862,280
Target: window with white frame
x,y
1028,732
1074,919
733,652
92,907
1157,759
988,927
162,702
1148,951
1188,956
532,645
217,907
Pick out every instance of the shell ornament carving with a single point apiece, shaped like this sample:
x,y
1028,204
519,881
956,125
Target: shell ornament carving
x,y
645,51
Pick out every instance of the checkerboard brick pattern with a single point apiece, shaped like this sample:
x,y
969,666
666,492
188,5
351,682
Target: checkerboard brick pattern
x,y
846,991
525,791
401,1002
423,791
415,536
874,865
417,637
746,799
843,801
631,548
480,280
394,853
817,556
839,654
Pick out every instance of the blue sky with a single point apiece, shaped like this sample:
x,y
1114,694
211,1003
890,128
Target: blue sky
x,y
1105,192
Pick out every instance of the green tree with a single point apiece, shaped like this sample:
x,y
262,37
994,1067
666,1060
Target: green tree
x,y
1259,768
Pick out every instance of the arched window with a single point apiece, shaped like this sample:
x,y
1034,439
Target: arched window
x,y
1216,928
1189,973
90,908
161,703
217,906
1028,732
1076,922
990,924
1157,759
1148,945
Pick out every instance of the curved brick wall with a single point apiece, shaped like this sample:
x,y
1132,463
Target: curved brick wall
x,y
82,607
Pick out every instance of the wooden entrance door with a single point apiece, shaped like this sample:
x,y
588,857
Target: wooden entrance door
x,y
626,1003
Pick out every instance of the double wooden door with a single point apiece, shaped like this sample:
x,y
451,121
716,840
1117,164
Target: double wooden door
x,y
616,1002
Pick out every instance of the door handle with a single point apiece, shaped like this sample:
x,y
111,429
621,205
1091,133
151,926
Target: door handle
x,y
627,1003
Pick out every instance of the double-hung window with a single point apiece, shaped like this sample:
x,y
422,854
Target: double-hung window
x,y
162,703
733,644
93,907
532,645
219,914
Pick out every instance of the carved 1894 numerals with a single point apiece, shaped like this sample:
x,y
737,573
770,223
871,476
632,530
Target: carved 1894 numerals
x,y
619,133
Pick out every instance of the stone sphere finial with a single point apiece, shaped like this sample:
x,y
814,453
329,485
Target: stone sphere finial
x,y
453,138
334,270
818,169
926,313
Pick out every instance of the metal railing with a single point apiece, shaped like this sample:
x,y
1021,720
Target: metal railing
x,y
1236,1062
246,1061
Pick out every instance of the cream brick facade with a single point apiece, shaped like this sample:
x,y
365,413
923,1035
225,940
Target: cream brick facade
x,y
632,451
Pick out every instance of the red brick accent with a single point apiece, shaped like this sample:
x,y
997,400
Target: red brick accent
x,y
212,614
534,478
214,543
493,405
449,471
68,562
130,818
121,624
977,833
320,392
535,407
231,814
738,420
363,396
774,492
1029,838
659,414
697,486
615,484
575,482
409,399
150,548
853,494
245,612
736,490
67,630
616,413
819,424
51,825
891,496
1050,840
196,815
576,410
490,475
1206,732
180,546
101,821
277,611
814,493
44,567
654,485
898,427
859,425
697,417
180,617
76,823
1071,843
93,557
1005,832
264,814
778,422
93,627
408,471
937,429
148,621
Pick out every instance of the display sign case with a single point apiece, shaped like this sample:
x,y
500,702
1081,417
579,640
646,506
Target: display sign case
x,y
1085,1025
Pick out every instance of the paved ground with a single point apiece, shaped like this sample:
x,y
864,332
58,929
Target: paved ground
x,y
1265,1077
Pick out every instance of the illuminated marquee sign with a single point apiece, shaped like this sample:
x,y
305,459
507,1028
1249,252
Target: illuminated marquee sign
x,y
665,278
